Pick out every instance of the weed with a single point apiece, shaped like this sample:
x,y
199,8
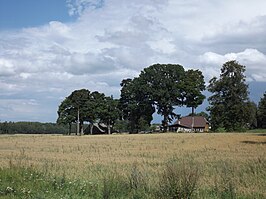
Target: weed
x,y
178,180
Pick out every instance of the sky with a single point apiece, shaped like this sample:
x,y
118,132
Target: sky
x,y
49,48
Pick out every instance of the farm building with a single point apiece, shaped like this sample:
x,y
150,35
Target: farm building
x,y
190,124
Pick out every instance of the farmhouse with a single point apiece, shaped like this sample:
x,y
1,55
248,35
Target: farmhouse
x,y
190,124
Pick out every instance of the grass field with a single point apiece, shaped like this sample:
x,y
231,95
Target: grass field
x,y
228,165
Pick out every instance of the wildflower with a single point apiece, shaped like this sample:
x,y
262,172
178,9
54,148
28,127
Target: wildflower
x,y
9,189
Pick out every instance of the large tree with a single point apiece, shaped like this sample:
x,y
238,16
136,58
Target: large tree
x,y
79,100
135,105
93,108
66,113
228,104
109,112
251,115
192,89
85,106
164,84
74,109
262,112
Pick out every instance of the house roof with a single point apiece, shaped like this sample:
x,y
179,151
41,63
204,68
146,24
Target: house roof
x,y
199,122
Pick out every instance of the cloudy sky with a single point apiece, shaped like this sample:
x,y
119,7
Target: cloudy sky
x,y
48,48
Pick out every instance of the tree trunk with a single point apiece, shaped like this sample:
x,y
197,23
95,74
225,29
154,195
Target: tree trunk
x,y
192,122
91,128
109,129
69,128
81,128
78,123
192,111
165,122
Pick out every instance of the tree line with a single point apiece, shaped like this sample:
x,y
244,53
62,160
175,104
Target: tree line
x,y
161,88
32,128
158,88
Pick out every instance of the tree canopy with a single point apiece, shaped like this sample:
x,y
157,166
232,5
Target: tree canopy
x,y
229,102
135,105
262,112
161,87
85,106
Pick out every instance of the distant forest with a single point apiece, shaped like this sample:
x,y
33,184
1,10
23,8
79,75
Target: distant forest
x,y
32,128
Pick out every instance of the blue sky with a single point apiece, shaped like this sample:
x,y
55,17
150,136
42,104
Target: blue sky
x,y
48,48
15,14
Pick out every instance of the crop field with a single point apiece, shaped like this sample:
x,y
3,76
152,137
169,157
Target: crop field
x,y
170,165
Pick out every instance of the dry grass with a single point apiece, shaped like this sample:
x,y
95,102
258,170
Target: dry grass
x,y
85,156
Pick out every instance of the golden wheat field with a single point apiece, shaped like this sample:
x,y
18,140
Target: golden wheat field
x,y
84,156
74,153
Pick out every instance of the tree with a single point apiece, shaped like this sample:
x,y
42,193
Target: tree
x,y
193,86
78,100
93,108
251,114
192,90
228,104
66,113
121,125
74,108
109,112
163,87
262,112
85,106
135,104
202,113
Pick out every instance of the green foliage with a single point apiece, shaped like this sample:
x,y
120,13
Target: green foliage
x,y
114,186
193,86
251,115
179,180
225,185
85,106
164,86
160,86
108,112
203,114
121,126
66,114
135,104
229,102
20,182
32,128
73,109
220,130
262,112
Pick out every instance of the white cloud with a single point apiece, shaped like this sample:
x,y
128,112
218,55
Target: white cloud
x,y
254,61
115,39
6,67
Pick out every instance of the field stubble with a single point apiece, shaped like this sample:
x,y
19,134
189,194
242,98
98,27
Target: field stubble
x,y
231,160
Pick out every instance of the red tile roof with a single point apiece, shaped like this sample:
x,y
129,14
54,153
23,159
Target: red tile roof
x,y
199,122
